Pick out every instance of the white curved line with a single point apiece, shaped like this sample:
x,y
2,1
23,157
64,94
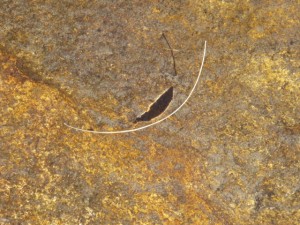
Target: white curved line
x,y
159,121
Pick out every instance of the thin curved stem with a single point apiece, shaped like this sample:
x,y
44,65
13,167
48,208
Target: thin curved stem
x,y
154,123
172,52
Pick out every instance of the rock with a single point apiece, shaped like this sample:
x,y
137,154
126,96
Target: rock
x,y
230,156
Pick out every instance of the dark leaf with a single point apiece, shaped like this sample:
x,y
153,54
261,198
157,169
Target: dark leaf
x,y
157,107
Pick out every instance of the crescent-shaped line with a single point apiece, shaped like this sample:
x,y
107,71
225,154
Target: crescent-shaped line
x,y
156,122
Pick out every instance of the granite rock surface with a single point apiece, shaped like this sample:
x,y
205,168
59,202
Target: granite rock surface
x,y
230,156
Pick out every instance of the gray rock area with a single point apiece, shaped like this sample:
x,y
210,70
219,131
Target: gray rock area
x,y
229,156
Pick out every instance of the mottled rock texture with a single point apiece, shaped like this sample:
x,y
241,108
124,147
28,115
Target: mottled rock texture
x,y
230,156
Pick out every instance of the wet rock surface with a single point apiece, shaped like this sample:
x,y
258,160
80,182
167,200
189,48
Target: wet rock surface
x,y
230,156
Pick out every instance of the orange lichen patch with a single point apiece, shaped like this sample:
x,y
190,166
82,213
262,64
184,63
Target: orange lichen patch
x,y
265,21
28,115
146,178
265,72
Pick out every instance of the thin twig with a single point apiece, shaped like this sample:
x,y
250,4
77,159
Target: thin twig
x,y
159,121
172,52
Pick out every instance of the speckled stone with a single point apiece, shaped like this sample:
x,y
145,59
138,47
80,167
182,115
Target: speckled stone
x,y
230,156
